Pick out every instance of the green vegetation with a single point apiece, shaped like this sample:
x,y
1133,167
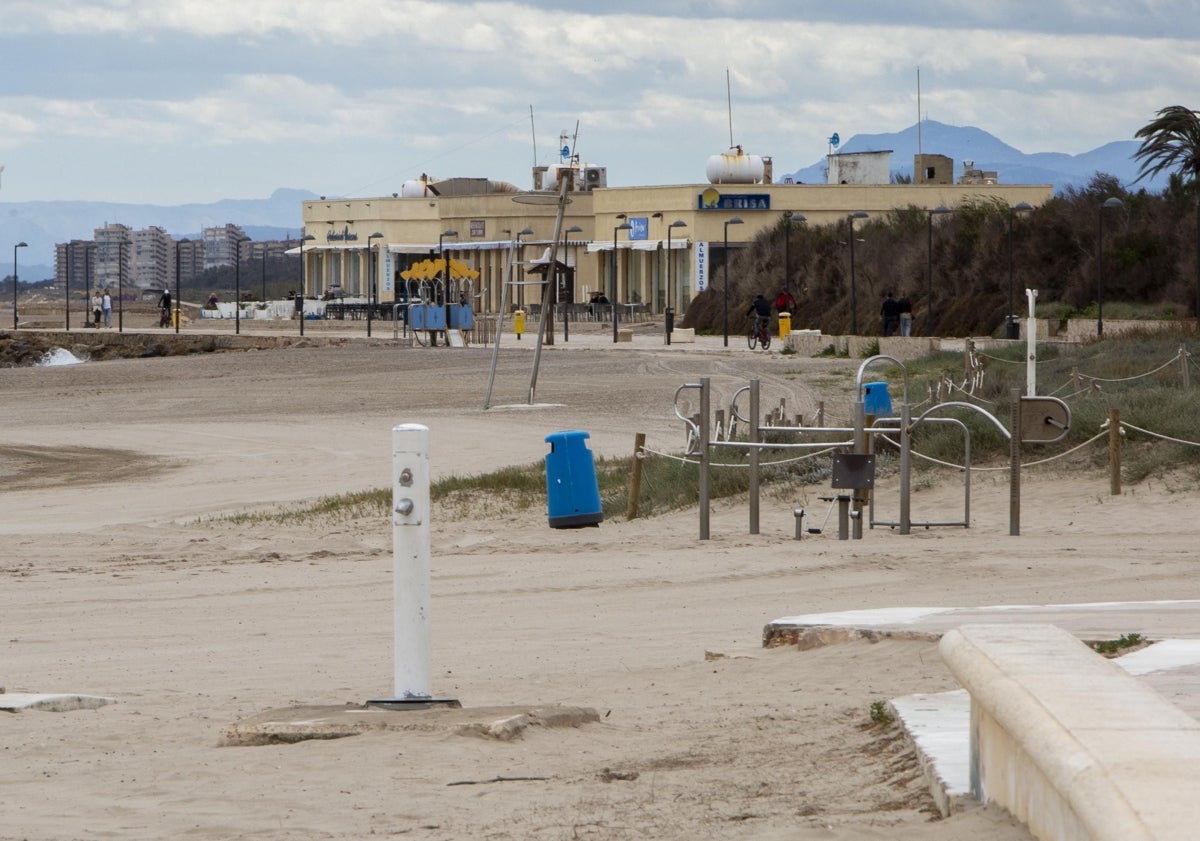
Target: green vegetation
x,y
880,714
1119,644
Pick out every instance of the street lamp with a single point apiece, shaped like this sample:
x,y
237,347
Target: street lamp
x,y
303,279
669,314
612,302
788,216
940,210
15,247
371,299
442,251
737,220
121,286
1110,202
574,229
177,316
68,285
858,214
237,284
1011,329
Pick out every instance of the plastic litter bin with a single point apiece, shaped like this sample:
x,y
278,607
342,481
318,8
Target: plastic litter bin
x,y
785,324
877,401
519,325
572,491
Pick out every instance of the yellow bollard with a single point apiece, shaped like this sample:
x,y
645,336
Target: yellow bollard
x,y
785,324
519,323
177,318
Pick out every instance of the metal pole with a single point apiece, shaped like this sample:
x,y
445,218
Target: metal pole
x,y
237,287
1100,272
15,247
120,287
705,453
68,290
411,560
787,252
1011,295
1014,464
755,453
853,296
929,269
177,315
666,312
725,296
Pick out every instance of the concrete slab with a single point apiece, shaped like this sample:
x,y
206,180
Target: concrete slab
x,y
939,723
51,702
298,724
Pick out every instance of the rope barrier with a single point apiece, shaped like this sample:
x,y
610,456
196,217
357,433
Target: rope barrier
x,y
1166,364
1159,435
1091,440
649,451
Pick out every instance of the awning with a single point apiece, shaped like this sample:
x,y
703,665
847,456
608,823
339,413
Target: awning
x,y
339,246
638,244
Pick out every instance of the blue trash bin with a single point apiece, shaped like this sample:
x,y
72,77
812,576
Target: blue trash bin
x,y
877,401
572,491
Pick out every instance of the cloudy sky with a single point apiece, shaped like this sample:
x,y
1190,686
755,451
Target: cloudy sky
x,y
180,101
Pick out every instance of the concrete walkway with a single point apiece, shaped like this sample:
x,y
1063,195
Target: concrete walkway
x,y
939,724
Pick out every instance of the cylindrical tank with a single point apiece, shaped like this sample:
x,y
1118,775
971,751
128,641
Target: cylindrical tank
x,y
735,167
415,189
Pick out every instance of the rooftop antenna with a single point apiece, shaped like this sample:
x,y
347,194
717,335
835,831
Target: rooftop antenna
x,y
729,105
918,109
533,132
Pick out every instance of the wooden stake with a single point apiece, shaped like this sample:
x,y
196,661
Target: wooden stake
x,y
1114,452
635,481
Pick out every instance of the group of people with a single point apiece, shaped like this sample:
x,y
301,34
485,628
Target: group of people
x,y
897,314
102,308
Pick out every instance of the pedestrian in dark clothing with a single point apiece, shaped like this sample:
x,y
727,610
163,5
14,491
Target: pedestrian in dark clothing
x,y
891,314
906,315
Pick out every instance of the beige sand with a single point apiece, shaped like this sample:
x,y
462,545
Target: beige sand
x,y
116,581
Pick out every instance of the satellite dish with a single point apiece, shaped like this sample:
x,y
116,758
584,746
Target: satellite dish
x,y
834,140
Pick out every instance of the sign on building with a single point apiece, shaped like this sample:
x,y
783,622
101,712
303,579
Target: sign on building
x,y
478,228
700,266
639,227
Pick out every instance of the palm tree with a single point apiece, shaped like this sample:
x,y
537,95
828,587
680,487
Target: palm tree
x,y
1171,141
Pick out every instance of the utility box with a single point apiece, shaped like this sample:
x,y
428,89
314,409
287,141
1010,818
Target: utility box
x,y
877,401
572,490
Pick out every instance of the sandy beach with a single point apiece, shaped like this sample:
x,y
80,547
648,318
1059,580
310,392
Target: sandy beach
x,y
124,576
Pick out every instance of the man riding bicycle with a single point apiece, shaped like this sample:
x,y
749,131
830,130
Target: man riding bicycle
x,y
760,308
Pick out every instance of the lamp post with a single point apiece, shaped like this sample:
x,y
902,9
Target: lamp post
x,y
237,284
371,299
15,247
303,279
68,285
858,214
612,302
177,316
121,286
1011,330
737,220
940,210
266,248
1111,202
669,314
574,229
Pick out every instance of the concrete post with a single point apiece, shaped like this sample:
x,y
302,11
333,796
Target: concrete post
x,y
411,560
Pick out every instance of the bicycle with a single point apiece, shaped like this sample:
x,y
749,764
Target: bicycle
x,y
759,334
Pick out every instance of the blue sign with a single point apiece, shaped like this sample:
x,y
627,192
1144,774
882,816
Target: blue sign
x,y
711,199
639,227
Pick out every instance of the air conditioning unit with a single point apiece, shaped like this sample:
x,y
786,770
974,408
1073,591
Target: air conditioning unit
x,y
593,177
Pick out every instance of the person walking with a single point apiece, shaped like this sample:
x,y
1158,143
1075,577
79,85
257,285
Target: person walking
x,y
904,305
106,303
891,314
97,308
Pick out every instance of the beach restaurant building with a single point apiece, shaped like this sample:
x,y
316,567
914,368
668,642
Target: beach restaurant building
x,y
650,246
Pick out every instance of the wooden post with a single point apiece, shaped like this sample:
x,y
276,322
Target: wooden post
x,y
635,480
968,349
719,416
1075,380
820,413
1183,367
1114,452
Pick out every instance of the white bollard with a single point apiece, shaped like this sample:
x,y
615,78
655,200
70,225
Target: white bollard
x,y
411,560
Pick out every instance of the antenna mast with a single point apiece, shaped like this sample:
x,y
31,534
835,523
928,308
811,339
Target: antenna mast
x,y
533,131
729,105
918,109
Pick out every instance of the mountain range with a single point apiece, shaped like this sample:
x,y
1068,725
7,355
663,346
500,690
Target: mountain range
x,y
968,143
42,224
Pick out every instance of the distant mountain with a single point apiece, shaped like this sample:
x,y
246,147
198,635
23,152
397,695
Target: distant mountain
x,y
967,143
42,224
